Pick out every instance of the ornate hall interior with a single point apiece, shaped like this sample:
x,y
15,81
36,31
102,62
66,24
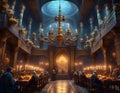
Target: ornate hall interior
x,y
59,41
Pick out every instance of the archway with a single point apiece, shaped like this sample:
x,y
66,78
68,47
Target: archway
x,y
62,63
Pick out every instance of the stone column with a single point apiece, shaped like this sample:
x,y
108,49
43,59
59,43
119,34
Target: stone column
x,y
117,48
22,9
106,55
12,6
3,47
29,28
34,38
91,24
81,30
72,58
3,13
13,58
51,61
81,35
107,12
41,35
98,15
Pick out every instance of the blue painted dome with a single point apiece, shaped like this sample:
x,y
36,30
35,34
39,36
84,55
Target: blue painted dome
x,y
51,8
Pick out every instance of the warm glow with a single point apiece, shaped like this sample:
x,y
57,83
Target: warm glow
x,y
62,63
80,63
62,59
76,64
28,67
46,64
61,87
113,54
98,67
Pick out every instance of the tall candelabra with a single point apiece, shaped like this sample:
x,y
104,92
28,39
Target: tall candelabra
x,y
67,38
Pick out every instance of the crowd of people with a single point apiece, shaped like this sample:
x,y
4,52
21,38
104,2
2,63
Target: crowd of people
x,y
8,84
81,79
94,80
116,73
9,79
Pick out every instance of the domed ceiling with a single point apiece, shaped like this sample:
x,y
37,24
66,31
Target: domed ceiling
x,y
51,8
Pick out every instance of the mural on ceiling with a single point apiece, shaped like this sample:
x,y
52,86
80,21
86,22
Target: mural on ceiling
x,y
50,10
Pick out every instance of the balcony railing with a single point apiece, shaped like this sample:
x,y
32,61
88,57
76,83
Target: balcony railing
x,y
96,46
14,31
25,47
106,27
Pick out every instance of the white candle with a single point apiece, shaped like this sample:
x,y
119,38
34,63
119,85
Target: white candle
x,y
68,25
76,31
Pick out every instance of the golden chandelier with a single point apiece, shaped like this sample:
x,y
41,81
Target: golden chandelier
x,y
67,38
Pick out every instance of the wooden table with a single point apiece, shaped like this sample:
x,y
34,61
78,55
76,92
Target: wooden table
x,y
21,85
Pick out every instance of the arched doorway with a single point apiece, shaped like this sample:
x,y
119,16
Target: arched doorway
x,y
62,63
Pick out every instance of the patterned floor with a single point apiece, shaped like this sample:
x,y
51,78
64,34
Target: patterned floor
x,y
63,86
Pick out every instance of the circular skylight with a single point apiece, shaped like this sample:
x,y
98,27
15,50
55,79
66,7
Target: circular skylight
x,y
51,8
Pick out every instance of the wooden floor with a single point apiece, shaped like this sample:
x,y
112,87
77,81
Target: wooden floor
x,y
63,86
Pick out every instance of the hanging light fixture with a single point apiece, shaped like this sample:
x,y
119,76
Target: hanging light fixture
x,y
67,38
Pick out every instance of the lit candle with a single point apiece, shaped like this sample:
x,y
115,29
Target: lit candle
x,y
50,27
68,25
41,30
76,31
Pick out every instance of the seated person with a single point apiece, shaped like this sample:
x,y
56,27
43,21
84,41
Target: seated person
x,y
34,79
7,83
41,75
96,83
83,78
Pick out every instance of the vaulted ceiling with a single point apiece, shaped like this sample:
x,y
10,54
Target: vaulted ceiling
x,y
85,6
75,11
45,10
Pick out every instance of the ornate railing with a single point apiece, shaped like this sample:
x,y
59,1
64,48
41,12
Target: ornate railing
x,y
106,27
14,31
25,47
96,46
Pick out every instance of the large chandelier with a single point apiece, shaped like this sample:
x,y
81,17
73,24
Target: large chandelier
x,y
67,38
